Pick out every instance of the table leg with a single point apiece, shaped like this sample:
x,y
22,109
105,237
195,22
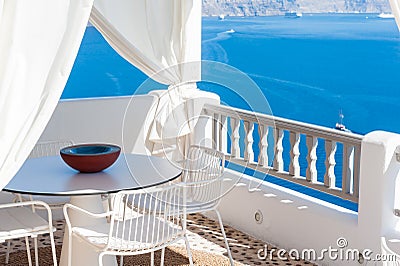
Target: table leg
x,y
81,253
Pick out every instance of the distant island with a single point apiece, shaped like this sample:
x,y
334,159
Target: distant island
x,y
280,7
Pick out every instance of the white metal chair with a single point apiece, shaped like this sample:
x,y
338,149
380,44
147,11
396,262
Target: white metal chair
x,y
43,149
17,220
133,231
202,174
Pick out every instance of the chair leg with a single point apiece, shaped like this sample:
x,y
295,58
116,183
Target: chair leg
x,y
152,258
8,251
224,235
28,251
121,260
35,244
53,247
70,248
101,259
189,253
162,257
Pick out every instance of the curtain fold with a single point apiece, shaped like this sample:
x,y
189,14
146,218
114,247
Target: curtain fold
x,y
39,41
155,36
163,39
395,5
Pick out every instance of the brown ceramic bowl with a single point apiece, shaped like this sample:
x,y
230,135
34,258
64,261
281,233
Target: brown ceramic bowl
x,y
90,158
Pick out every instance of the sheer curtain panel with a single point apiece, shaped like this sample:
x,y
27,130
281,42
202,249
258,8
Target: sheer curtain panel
x,y
163,39
395,5
39,40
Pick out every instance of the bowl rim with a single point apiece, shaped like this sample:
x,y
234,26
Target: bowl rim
x,y
114,149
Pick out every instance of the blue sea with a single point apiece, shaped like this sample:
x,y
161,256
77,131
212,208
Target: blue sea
x,y
309,69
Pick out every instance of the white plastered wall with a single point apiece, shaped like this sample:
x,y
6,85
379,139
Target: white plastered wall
x,y
103,120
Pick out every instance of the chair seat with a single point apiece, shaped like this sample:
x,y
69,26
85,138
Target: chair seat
x,y
98,235
21,221
192,206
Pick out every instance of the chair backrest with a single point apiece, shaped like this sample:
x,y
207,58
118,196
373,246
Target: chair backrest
x,y
49,148
202,173
134,229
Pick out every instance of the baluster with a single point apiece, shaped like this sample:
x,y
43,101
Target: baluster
x,y
248,141
222,134
235,148
347,168
263,145
356,171
278,160
294,166
330,150
215,130
311,172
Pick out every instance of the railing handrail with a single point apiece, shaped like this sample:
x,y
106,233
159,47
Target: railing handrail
x,y
331,138
287,124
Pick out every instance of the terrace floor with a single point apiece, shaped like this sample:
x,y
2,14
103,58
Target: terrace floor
x,y
205,240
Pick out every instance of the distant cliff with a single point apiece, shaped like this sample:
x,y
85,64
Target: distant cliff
x,y
279,7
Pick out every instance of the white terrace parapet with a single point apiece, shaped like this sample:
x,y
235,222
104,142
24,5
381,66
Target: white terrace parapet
x,y
293,220
350,145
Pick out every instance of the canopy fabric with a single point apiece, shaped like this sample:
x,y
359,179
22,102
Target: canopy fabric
x,y
39,41
155,36
395,5
163,39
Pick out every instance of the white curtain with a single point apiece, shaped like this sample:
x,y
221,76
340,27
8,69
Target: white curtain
x,y
39,41
163,39
395,5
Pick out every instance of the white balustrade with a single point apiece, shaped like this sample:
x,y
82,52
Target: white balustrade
x,y
311,172
263,145
356,170
278,159
215,131
347,168
293,130
235,148
294,167
248,141
223,129
330,150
